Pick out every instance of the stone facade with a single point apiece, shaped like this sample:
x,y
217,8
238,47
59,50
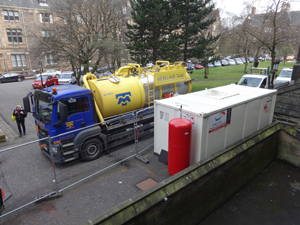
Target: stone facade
x,y
22,18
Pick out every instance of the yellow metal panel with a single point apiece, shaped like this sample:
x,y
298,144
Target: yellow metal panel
x,y
169,77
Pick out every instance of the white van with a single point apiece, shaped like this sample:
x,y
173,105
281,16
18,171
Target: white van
x,y
284,75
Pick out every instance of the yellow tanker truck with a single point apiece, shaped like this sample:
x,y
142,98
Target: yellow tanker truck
x,y
82,122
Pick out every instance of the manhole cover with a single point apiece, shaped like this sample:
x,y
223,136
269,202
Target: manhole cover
x,y
148,183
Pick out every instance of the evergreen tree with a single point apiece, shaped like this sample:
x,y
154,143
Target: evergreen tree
x,y
153,35
194,19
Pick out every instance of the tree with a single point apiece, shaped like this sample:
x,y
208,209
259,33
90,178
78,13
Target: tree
x,y
195,17
83,32
153,33
285,51
239,32
274,27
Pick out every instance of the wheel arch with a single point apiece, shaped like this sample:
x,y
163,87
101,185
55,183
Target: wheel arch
x,y
84,135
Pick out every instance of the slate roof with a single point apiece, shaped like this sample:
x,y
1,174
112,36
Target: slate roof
x,y
294,17
33,4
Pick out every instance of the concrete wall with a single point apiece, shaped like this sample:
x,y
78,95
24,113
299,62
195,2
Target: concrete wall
x,y
289,146
191,195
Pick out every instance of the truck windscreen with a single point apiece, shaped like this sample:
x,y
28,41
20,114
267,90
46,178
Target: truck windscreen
x,y
250,81
285,73
43,111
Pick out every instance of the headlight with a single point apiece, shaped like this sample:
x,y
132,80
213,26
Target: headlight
x,y
54,150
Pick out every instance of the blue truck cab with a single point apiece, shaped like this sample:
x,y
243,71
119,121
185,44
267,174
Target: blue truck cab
x,y
79,109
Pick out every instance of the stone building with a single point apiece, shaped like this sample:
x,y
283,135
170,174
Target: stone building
x,y
19,21
287,21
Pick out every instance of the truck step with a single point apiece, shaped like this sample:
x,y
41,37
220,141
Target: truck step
x,y
68,153
69,159
68,145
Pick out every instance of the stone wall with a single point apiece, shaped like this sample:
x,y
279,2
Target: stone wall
x,y
289,147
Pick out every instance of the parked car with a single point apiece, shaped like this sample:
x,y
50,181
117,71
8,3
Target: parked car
x,y
231,62
210,65
260,59
238,61
217,64
150,64
198,66
243,60
250,59
8,77
47,80
189,66
224,62
55,73
284,75
67,77
105,68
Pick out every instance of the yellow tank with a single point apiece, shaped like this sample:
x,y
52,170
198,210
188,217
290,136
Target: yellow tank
x,y
132,87
127,94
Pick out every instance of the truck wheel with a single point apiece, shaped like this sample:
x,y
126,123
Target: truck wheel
x,y
91,149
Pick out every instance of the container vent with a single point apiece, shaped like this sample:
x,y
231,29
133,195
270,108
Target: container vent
x,y
210,93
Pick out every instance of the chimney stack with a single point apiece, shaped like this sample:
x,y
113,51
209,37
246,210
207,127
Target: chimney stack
x,y
253,10
286,6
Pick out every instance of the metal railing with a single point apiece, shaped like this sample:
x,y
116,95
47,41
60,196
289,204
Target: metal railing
x,y
60,171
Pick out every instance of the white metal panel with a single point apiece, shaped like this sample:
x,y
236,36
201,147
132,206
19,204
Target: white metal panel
x,y
161,126
252,117
234,131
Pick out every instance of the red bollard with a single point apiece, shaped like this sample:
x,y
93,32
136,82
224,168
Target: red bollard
x,y
56,81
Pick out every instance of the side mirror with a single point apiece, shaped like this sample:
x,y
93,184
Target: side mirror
x,y
63,112
26,104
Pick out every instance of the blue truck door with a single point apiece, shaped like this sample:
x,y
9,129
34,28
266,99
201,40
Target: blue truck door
x,y
79,116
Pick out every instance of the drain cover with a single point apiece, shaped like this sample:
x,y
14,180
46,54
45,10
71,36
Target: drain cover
x,y
148,183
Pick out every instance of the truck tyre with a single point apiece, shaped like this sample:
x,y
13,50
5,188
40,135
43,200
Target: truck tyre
x,y
91,149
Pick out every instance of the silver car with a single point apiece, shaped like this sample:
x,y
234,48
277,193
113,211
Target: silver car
x,y
67,77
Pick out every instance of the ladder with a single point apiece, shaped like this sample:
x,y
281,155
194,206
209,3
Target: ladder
x,y
151,92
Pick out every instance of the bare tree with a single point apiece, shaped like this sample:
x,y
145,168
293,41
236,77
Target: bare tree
x,y
83,33
272,28
239,32
285,51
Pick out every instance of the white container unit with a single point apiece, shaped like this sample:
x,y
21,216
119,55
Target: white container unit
x,y
220,117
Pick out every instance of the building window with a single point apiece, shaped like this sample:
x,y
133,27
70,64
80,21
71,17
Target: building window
x,y
14,36
11,16
43,2
51,59
18,60
46,18
124,9
268,30
47,34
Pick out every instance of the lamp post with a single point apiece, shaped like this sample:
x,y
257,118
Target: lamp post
x,y
275,66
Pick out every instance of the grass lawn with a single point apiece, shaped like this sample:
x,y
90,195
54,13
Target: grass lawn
x,y
220,76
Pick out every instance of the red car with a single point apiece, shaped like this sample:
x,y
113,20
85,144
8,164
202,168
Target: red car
x,y
48,80
198,66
